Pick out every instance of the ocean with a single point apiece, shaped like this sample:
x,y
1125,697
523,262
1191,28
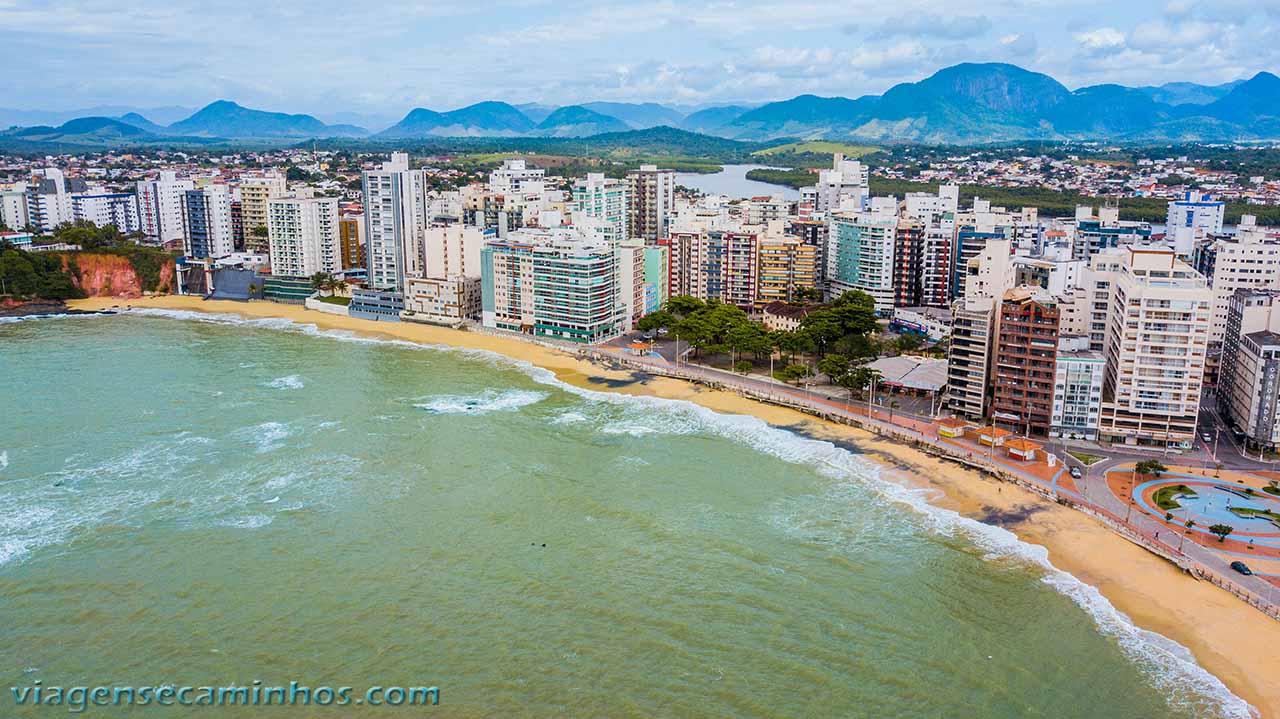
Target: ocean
x,y
197,500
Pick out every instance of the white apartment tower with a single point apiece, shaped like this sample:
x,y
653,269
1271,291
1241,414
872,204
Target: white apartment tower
x,y
303,236
160,207
604,199
394,216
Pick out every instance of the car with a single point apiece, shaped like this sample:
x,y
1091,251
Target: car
x,y
1205,436
1242,568
1076,473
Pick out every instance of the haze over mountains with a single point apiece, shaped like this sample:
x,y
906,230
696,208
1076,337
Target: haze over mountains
x,y
967,103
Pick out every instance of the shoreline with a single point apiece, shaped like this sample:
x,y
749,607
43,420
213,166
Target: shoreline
x,y
1228,638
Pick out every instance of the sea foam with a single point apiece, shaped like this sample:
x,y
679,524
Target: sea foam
x,y
483,403
1170,666
292,381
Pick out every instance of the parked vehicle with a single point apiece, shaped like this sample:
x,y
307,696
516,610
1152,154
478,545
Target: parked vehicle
x,y
1076,473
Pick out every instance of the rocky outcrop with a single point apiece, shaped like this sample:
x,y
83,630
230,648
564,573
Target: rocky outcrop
x,y
103,275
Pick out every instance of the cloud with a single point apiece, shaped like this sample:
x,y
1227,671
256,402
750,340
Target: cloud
x,y
1104,39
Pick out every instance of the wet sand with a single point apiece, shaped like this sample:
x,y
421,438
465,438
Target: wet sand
x,y
1235,642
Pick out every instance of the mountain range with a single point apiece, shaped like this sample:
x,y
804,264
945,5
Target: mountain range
x,y
962,104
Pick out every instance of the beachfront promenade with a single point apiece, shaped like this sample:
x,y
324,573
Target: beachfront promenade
x,y
1091,494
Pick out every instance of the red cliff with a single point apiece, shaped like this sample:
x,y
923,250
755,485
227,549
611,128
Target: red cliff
x,y
102,275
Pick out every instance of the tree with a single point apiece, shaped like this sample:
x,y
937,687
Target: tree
x,y
792,343
742,367
656,320
805,295
864,377
260,232
908,342
684,305
793,372
1150,468
1222,530
834,366
253,289
322,281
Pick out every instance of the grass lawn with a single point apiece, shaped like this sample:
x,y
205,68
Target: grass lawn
x,y
1085,457
1165,496
344,301
1248,513
823,147
1272,490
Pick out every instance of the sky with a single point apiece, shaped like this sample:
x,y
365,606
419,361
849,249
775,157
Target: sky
x,y
342,59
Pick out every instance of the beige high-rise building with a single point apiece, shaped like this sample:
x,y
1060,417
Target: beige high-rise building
x,y
787,264
255,192
651,195
973,326
1158,313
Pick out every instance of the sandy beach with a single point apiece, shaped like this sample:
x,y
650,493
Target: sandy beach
x,y
1235,642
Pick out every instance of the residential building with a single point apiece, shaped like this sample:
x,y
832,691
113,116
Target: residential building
x,y
604,199
13,207
48,199
1103,229
1157,333
1025,349
394,222
652,195
908,263
160,207
787,265
351,242
442,300
1077,389
715,265
119,209
454,250
843,188
860,254
969,358
507,179
302,236
1194,216
558,283
1250,259
1249,382
206,223
255,192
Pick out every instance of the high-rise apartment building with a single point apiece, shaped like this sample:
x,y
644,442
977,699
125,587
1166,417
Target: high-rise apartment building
x,y
715,265
255,192
1249,381
394,207
107,208
206,223
303,236
1248,260
351,243
1026,347
454,250
49,199
604,199
558,283
652,196
1157,333
1077,389
969,358
1193,217
160,207
860,254
787,265
842,188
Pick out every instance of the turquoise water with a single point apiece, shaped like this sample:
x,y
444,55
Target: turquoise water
x,y
217,502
